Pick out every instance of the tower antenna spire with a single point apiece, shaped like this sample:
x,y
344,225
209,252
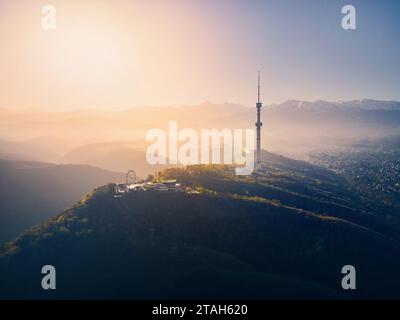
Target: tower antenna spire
x,y
258,86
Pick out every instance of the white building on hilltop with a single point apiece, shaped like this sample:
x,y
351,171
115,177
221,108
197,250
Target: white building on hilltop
x,y
163,186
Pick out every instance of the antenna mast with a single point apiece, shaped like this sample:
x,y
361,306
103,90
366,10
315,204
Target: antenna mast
x,y
258,86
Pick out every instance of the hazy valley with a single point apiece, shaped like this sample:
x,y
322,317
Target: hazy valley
x,y
115,140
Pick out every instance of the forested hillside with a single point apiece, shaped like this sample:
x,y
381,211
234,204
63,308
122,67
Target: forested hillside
x,y
237,238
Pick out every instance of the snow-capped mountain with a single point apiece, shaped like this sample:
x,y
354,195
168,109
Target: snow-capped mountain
x,y
326,106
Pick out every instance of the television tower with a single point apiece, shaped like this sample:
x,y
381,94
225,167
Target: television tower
x,y
258,126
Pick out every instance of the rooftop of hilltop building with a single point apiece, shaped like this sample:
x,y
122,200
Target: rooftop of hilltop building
x,y
168,185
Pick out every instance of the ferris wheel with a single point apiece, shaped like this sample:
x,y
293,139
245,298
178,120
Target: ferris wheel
x,y
131,177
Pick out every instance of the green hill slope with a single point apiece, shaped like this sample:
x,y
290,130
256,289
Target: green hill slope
x,y
236,239
31,192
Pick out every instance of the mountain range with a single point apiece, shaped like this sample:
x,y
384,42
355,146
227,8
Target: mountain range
x,y
326,106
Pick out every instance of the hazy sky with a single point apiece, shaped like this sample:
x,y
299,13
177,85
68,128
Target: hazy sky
x,y
120,53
